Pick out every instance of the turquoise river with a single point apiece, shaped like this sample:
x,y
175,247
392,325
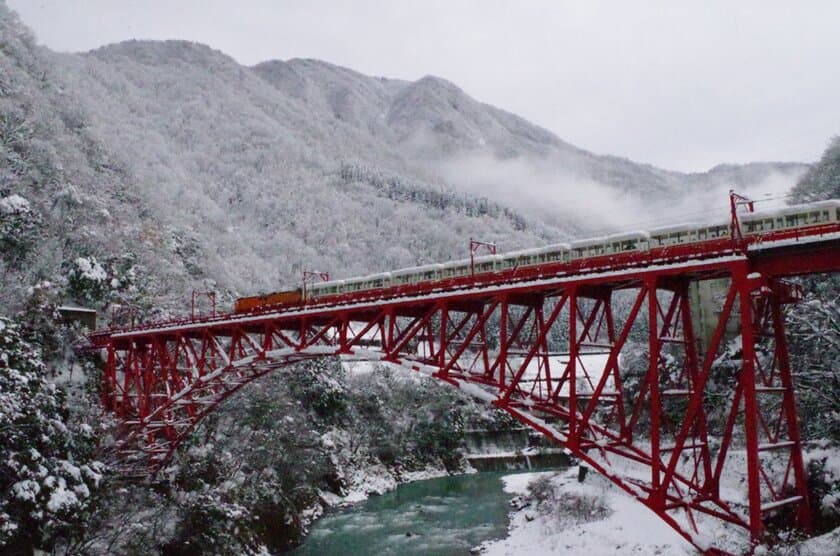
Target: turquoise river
x,y
437,517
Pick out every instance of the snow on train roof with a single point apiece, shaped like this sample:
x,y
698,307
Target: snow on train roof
x,y
415,269
664,230
791,209
588,242
638,234
554,247
488,258
456,264
319,285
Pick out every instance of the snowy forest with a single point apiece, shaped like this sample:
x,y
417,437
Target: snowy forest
x,y
136,173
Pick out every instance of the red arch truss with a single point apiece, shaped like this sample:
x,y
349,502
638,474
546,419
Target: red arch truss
x,y
527,347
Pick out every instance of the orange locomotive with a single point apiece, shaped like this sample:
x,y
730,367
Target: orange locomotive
x,y
246,304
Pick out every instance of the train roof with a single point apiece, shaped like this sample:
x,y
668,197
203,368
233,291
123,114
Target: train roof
x,y
791,209
553,248
488,258
638,234
415,269
456,264
588,242
664,230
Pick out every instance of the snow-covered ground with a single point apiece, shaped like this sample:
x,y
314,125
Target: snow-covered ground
x,y
618,525
628,528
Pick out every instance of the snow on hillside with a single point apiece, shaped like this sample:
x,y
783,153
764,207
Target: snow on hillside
x,y
212,175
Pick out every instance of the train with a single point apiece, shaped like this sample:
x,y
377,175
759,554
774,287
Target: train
x,y
753,226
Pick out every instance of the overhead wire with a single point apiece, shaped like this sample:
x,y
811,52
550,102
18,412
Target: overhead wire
x,y
681,218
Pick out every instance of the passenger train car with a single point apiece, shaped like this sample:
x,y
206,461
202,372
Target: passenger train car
x,y
671,241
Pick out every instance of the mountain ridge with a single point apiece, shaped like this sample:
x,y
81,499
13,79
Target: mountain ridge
x,y
222,176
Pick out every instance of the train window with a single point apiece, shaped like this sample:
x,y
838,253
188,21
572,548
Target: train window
x,y
761,225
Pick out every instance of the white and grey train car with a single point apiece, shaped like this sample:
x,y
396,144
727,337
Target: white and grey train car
x,y
757,223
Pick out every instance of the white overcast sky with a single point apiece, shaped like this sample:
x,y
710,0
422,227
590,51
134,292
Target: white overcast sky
x,y
682,85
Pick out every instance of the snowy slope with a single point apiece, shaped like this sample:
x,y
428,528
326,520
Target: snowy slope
x,y
215,175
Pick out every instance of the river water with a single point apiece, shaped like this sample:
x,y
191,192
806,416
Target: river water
x,y
446,517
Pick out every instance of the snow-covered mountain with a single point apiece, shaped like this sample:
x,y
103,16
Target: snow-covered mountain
x,y
201,172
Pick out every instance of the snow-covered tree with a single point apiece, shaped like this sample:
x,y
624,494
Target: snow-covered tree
x,y
47,470
822,181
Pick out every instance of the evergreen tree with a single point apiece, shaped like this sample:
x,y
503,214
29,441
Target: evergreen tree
x,y
47,471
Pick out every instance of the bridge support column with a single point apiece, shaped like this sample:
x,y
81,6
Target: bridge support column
x,y
771,426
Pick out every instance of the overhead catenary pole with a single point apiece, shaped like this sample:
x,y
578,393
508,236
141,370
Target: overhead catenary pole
x,y
310,276
475,245
735,201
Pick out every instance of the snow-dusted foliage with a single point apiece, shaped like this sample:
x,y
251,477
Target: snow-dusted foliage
x,y
216,175
92,281
823,462
47,474
814,331
19,225
814,323
139,171
257,472
822,181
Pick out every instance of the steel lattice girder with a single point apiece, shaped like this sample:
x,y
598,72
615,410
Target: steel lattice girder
x,y
498,345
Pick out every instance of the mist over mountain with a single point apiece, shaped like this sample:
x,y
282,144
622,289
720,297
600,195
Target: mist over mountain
x,y
203,173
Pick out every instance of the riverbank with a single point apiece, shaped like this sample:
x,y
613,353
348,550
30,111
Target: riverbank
x,y
556,514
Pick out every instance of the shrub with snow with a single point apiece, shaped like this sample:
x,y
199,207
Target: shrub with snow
x,y
47,472
91,280
18,228
569,505
824,486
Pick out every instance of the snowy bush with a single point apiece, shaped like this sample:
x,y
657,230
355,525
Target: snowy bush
x,y
823,470
89,280
813,327
822,180
566,504
211,525
320,385
19,225
47,474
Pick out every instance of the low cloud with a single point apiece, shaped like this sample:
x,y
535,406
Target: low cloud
x,y
564,197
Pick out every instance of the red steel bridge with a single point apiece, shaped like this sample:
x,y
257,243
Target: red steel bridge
x,y
497,337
